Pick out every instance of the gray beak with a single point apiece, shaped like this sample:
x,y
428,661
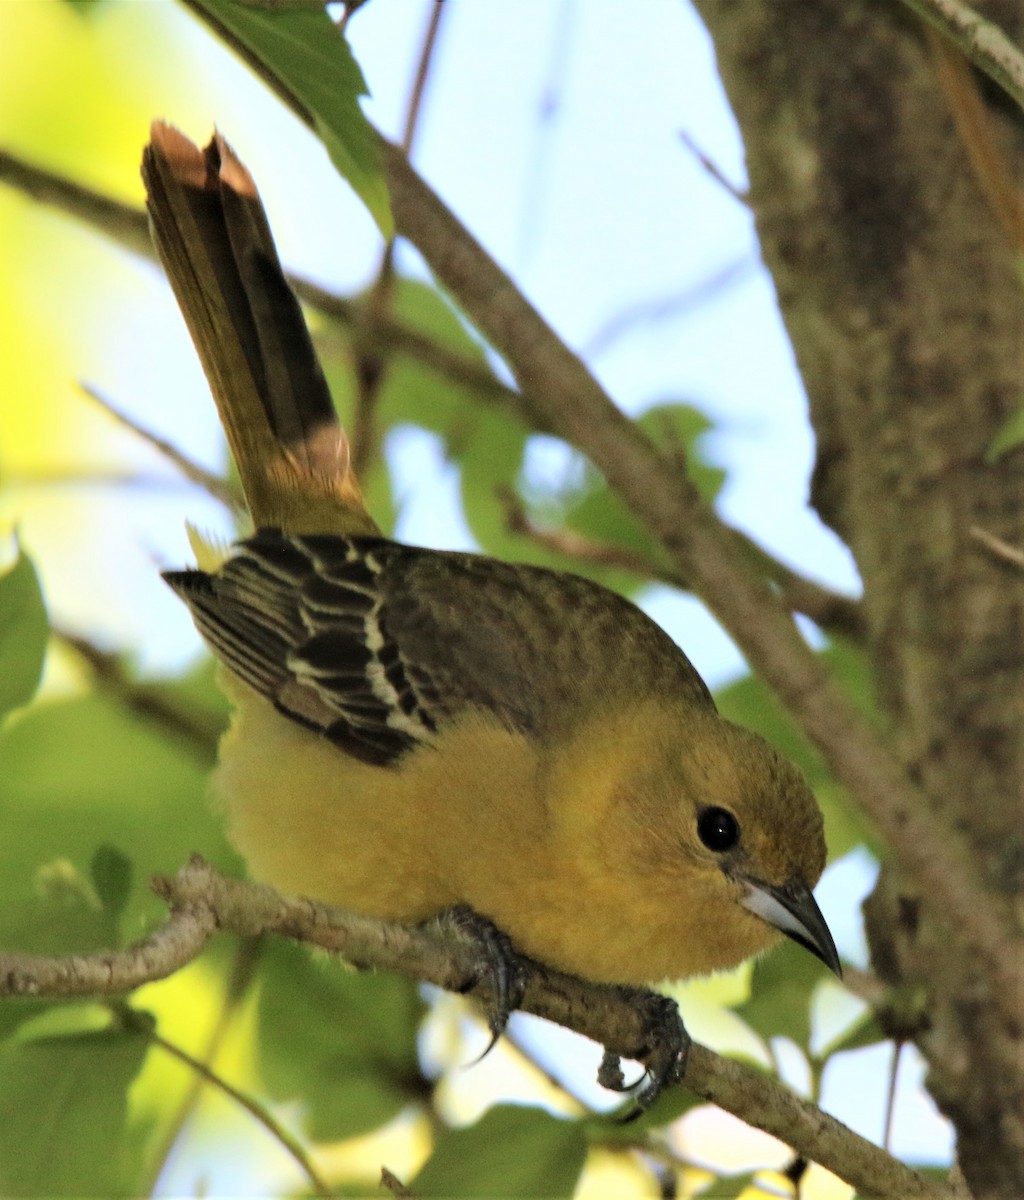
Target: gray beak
x,y
792,909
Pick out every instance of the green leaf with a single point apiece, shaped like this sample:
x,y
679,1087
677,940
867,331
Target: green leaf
x,y
1008,438
585,504
780,994
510,1152
81,773
670,1105
62,915
24,630
112,875
84,8
730,1187
484,441
864,1031
303,50
342,1042
63,1115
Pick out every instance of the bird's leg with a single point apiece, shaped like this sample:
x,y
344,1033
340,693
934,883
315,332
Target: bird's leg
x,y
498,967
664,1052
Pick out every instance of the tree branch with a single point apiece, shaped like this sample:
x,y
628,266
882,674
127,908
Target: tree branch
x,y
561,395
204,902
186,725
833,612
982,42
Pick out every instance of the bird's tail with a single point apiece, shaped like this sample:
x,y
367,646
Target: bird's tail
x,y
212,235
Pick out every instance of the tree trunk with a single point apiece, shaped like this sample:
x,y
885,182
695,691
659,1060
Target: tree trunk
x,y
902,294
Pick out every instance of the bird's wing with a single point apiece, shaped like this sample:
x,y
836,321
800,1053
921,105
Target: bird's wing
x,y
379,645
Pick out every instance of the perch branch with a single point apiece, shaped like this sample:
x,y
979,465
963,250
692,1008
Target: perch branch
x,y
203,902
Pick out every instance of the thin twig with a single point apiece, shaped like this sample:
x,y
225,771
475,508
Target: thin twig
x,y
391,1183
203,902
243,969
124,223
574,545
206,1074
371,363
212,484
714,170
890,1095
184,725
984,44
833,612
673,307
48,477
1002,550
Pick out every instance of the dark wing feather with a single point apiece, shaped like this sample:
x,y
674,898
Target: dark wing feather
x,y
377,645
301,621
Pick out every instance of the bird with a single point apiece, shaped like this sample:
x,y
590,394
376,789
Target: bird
x,y
418,732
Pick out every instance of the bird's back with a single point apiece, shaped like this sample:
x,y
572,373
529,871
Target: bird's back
x,y
378,645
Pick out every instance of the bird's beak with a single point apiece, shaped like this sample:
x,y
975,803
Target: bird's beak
x,y
792,909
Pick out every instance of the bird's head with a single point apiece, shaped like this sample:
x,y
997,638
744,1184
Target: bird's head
x,y
715,819
748,820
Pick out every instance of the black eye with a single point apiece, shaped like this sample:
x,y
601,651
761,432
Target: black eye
x,y
718,829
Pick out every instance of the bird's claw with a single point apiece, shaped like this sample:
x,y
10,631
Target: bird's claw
x,y
499,968
666,1049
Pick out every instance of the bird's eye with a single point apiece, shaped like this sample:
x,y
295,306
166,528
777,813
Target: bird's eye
x,y
718,829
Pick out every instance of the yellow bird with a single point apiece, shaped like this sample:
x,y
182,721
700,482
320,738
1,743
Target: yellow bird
x,y
415,731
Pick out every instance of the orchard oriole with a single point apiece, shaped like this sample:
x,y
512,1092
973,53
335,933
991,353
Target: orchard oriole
x,y
417,731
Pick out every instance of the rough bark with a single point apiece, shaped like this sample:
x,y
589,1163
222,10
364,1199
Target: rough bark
x,y
905,305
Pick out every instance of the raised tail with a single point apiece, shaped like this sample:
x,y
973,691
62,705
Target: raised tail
x,y
212,235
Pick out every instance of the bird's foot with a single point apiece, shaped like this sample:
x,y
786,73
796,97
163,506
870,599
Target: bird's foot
x,y
664,1051
499,967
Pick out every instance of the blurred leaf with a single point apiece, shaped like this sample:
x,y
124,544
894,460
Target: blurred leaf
x,y
676,429
63,1112
587,506
510,1152
343,1043
62,915
670,1105
24,630
730,1187
864,1031
1008,438
112,876
305,51
780,994
412,393
333,343
485,441
197,692
86,772
84,8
